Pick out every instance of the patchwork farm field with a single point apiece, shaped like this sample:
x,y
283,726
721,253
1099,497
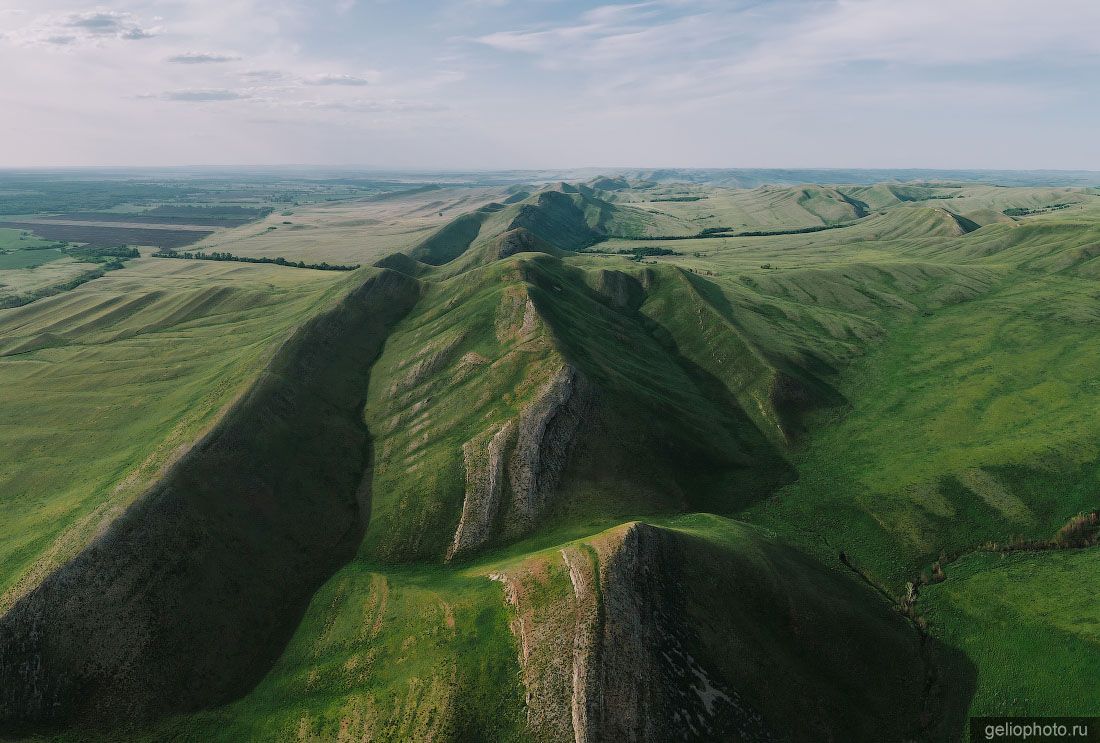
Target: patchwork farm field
x,y
584,460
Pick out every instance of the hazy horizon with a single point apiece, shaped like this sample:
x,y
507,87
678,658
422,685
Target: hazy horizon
x,y
483,85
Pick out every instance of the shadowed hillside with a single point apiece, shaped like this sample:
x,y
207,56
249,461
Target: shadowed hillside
x,y
188,596
660,651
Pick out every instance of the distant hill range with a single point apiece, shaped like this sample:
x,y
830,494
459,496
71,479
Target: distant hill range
x,y
753,177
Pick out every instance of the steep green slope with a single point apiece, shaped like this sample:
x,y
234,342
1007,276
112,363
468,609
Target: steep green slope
x,y
452,239
557,218
660,652
472,369
188,596
382,655
969,380
966,426
106,386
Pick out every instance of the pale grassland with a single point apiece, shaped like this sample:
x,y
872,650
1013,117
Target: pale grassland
x,y
356,232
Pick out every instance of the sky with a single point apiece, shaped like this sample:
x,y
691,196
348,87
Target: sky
x,y
503,84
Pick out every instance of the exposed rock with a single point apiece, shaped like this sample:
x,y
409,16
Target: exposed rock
x,y
516,317
484,483
545,646
545,434
532,451
647,686
583,576
606,661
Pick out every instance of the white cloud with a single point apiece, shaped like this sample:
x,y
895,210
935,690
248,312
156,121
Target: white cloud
x,y
341,79
374,106
90,27
264,75
201,58
204,96
719,82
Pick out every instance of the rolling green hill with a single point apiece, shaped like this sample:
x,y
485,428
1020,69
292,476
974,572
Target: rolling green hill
x,y
502,486
558,218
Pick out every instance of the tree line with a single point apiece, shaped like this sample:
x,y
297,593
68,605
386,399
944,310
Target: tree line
x,y
224,256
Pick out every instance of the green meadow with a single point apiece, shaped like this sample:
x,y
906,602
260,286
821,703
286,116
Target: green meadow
x,y
1031,625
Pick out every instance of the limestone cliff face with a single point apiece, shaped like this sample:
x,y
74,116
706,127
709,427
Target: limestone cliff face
x,y
485,480
545,433
603,649
713,630
512,471
648,686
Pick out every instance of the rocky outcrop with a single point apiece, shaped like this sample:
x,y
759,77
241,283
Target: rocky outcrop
x,y
607,659
716,631
516,317
484,487
647,685
513,470
545,433
583,575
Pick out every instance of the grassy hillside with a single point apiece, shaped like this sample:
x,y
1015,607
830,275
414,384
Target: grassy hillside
x,y
716,488
1034,611
557,218
384,656
108,384
418,652
767,207
184,600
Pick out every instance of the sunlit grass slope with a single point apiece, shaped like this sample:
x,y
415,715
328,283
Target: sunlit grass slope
x,y
384,655
107,384
968,425
1030,623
